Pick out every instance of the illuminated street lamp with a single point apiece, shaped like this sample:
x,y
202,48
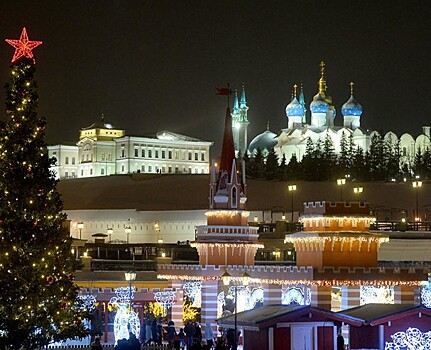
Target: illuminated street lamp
x,y
358,191
110,231
341,183
157,229
130,277
80,227
417,185
291,188
227,278
128,230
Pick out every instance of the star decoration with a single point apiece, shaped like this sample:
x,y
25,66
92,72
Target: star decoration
x,y
23,47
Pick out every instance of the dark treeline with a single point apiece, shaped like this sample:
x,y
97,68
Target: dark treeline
x,y
383,162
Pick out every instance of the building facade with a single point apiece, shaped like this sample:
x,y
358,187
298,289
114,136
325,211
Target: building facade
x,y
104,150
319,124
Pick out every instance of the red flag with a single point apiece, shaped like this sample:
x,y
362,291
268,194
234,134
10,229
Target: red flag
x,y
223,91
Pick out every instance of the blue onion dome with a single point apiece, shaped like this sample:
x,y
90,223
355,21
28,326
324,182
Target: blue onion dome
x,y
319,105
264,141
295,109
351,107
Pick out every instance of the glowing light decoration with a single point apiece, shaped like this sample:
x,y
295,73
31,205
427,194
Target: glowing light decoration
x,y
376,295
412,338
247,298
192,289
165,299
88,301
306,282
23,47
126,320
293,296
426,296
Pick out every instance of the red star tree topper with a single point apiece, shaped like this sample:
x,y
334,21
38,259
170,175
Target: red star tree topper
x,y
23,47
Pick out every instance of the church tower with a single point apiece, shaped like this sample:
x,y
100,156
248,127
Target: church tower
x,y
351,112
295,111
322,110
227,239
240,123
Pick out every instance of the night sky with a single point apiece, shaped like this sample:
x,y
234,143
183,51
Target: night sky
x,y
154,65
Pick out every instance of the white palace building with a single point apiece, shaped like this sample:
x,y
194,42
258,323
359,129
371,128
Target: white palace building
x,y
105,150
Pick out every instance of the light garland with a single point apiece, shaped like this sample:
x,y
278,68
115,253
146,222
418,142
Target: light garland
x,y
412,338
227,245
318,283
165,298
224,213
88,301
192,289
377,295
336,238
292,296
426,297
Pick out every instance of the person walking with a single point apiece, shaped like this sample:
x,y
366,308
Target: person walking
x,y
189,330
171,333
148,333
181,337
209,335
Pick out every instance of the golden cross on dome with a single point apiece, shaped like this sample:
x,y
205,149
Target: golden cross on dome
x,y
322,68
23,47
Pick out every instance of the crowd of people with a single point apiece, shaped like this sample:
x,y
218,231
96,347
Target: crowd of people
x,y
189,337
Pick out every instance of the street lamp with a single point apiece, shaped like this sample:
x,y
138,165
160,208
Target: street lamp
x,y
417,185
341,183
358,191
128,230
80,226
130,277
110,231
226,278
157,229
292,188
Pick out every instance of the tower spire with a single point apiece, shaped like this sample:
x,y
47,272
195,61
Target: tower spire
x,y
351,87
243,102
228,149
294,90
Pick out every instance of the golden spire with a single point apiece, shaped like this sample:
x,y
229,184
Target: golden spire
x,y
351,87
322,82
294,90
267,125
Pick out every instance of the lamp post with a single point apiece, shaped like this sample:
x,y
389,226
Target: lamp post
x,y
80,227
417,185
341,183
358,191
157,229
291,188
128,230
130,277
226,278
110,231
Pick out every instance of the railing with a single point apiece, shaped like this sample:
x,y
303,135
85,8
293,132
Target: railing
x,y
123,265
401,226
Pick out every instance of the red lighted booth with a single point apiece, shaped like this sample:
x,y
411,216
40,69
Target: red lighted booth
x,y
286,327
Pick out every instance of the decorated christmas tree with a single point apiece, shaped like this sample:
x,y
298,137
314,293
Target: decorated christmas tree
x,y
38,298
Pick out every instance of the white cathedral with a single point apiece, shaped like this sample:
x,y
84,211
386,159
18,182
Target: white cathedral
x,y
293,139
